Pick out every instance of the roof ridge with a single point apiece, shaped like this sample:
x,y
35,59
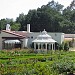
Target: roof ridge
x,y
10,32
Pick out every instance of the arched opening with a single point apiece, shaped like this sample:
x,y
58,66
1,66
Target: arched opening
x,y
11,44
44,46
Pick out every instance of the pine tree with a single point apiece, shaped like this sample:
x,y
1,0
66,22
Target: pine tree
x,y
72,5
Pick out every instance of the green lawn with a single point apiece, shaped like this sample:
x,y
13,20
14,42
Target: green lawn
x,y
25,62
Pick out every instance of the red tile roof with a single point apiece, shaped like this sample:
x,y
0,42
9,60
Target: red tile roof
x,y
22,34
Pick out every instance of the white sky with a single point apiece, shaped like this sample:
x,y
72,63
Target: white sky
x,y
12,8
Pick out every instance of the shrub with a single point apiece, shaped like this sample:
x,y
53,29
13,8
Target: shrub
x,y
66,46
59,46
63,67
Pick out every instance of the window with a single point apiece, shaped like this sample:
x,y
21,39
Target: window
x,y
31,37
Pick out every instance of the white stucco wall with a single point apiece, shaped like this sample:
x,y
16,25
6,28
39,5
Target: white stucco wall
x,y
25,42
59,37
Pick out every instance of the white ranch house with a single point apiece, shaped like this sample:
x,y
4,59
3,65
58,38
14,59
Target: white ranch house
x,y
23,39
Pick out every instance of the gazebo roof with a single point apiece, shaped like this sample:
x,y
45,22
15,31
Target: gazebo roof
x,y
44,37
44,41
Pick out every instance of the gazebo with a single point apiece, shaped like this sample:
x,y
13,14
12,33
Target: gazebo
x,y
44,42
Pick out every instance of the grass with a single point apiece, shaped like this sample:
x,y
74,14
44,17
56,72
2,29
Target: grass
x,y
23,62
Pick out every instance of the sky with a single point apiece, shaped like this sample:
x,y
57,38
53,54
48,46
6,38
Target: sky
x,y
12,8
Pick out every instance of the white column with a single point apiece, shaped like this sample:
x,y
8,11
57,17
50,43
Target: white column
x,y
46,46
52,46
34,46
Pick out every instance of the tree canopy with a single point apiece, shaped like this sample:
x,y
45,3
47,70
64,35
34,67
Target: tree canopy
x,y
51,17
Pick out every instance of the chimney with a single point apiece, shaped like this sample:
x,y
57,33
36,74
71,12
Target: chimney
x,y
28,28
8,28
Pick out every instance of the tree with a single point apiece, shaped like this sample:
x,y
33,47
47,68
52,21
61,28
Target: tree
x,y
2,24
21,20
49,17
72,5
15,26
45,17
55,5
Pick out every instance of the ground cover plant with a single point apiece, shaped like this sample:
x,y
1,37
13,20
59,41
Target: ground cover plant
x,y
27,62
